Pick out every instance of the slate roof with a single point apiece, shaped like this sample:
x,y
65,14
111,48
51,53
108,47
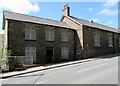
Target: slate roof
x,y
92,24
33,19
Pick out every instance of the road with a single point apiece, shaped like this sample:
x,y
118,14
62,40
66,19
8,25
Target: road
x,y
101,71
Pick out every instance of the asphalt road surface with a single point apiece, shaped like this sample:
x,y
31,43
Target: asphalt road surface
x,y
101,71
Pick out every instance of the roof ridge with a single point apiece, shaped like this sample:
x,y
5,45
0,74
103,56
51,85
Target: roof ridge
x,y
93,22
34,19
33,16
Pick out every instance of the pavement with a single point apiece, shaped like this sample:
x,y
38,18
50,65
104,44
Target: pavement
x,y
40,68
89,71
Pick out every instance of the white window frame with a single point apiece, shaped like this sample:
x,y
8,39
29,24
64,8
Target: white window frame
x,y
110,39
31,51
97,39
30,33
64,36
49,34
65,52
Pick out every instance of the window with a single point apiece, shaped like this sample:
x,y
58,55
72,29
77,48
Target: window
x,y
49,35
119,41
30,51
65,52
97,39
64,36
30,33
110,40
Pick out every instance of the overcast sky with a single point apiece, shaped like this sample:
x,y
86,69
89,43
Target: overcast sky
x,y
100,12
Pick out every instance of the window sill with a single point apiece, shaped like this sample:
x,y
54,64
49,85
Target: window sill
x,y
97,45
49,41
64,41
111,46
30,40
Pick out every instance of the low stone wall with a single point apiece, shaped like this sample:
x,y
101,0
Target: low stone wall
x,y
3,64
19,62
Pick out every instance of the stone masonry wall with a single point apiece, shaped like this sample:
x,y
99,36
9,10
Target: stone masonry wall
x,y
78,37
17,42
90,50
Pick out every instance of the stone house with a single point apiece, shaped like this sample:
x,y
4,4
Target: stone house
x,y
92,39
46,40
53,41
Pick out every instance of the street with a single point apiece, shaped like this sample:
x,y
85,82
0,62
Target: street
x,y
101,71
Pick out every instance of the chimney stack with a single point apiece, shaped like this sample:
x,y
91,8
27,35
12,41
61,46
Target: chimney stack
x,y
92,21
66,10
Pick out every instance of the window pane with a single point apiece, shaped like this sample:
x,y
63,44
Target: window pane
x,y
30,33
33,49
27,49
27,54
49,35
33,34
30,51
46,35
65,52
97,38
27,33
52,36
110,40
64,36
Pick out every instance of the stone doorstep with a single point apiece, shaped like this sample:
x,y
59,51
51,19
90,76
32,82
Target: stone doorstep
x,y
40,68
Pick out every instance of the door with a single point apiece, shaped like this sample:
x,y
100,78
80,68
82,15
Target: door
x,y
49,54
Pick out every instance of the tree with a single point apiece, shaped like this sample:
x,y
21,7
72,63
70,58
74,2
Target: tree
x,y
4,53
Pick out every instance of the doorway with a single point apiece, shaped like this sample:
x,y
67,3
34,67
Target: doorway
x,y
49,54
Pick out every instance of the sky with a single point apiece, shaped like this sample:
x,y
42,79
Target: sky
x,y
104,12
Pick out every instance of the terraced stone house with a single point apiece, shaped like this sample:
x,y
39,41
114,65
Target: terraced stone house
x,y
54,41
92,39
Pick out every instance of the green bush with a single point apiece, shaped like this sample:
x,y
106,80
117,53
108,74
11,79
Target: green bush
x,y
4,53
